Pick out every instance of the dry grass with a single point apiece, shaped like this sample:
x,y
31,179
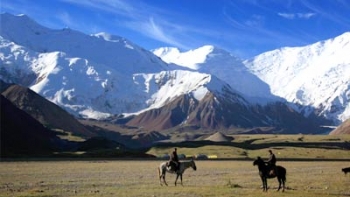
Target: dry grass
x,y
260,139
139,178
284,146
235,152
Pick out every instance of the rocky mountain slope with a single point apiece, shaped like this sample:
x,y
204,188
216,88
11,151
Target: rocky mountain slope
x,y
109,78
315,79
47,113
344,128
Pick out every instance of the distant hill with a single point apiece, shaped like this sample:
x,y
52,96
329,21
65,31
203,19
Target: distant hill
x,y
219,137
47,113
22,135
344,128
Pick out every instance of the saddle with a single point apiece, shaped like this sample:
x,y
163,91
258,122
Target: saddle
x,y
173,166
272,171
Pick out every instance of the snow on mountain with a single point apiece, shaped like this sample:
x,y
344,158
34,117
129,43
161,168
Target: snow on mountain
x,y
79,85
190,59
317,75
176,83
212,60
92,76
99,76
114,51
313,77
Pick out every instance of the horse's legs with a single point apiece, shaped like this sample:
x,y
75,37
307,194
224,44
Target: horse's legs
x,y
280,183
165,180
264,182
266,185
177,176
181,179
160,177
163,175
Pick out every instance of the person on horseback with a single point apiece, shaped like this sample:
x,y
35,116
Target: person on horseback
x,y
174,160
271,163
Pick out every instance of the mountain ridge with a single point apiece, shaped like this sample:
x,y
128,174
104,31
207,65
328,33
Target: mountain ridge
x,y
47,113
227,67
103,76
288,79
314,75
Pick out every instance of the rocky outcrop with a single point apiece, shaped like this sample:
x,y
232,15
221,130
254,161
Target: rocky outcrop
x,y
344,128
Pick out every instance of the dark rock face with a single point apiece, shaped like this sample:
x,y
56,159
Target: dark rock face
x,y
223,112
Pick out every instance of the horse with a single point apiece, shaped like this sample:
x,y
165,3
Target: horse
x,y
264,172
162,169
345,170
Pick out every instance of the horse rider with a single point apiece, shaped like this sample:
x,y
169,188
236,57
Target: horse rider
x,y
174,159
271,162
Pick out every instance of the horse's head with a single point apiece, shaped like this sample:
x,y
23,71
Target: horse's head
x,y
258,161
193,165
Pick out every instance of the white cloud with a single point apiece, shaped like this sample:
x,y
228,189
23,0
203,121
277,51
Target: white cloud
x,y
305,15
288,16
66,19
296,15
156,31
336,16
148,20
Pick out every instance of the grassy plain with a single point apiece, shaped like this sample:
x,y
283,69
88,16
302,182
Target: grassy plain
x,y
318,178
251,146
139,178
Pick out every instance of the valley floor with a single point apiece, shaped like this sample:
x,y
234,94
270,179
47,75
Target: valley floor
x,y
140,178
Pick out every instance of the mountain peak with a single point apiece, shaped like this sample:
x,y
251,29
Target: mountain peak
x,y
189,59
222,64
24,20
166,50
315,75
108,37
7,16
206,49
111,49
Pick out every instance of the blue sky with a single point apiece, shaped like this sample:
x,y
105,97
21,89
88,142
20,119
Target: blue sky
x,y
243,27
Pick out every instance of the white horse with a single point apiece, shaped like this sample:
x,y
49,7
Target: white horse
x,y
162,169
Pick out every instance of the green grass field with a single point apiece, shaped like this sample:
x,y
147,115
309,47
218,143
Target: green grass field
x,y
140,178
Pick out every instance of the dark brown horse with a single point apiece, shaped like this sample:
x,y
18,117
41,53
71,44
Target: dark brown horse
x,y
346,170
264,172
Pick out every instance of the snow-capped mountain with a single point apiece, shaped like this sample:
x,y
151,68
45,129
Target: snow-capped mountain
x,y
317,75
89,75
212,60
100,76
315,79
92,76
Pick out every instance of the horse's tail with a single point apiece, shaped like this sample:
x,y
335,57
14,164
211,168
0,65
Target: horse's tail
x,y
285,175
158,172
